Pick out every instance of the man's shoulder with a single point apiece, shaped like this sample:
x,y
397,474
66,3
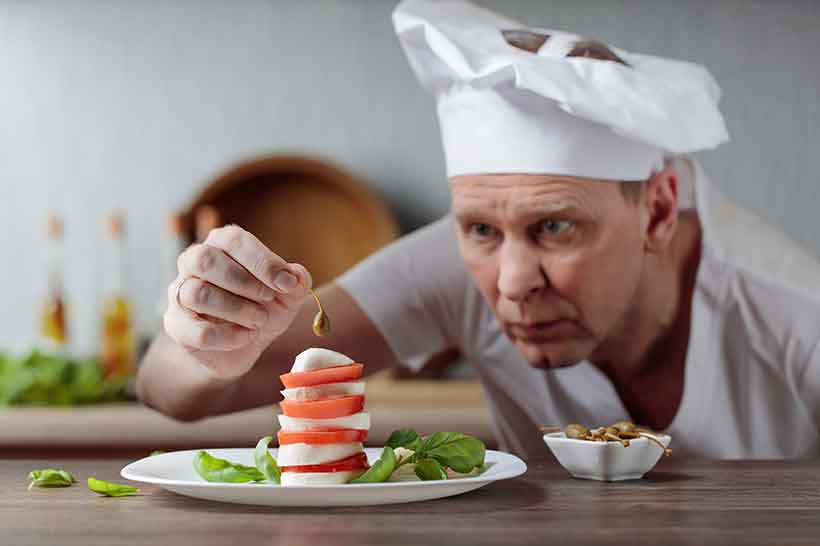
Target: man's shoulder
x,y
766,288
756,252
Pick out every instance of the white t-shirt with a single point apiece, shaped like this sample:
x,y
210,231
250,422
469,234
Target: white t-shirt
x,y
752,376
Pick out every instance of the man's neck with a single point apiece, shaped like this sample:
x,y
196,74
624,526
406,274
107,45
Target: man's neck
x,y
651,342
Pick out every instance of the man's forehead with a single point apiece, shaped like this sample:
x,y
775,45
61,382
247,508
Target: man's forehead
x,y
522,192
544,184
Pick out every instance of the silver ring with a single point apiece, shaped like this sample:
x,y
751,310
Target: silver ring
x,y
179,302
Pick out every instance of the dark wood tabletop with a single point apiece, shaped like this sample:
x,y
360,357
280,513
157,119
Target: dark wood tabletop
x,y
680,502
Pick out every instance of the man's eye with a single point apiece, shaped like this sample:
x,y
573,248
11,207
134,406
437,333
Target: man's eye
x,y
481,230
555,227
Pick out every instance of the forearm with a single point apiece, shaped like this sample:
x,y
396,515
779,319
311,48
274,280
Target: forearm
x,y
174,382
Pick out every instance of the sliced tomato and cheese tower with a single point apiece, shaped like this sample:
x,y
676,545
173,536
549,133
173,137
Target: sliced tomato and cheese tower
x,y
323,423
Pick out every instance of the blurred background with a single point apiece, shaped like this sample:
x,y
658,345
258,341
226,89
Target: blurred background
x,y
125,124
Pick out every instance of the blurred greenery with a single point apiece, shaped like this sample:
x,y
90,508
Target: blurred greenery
x,y
43,379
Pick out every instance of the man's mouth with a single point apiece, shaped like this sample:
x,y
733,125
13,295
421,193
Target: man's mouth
x,y
542,331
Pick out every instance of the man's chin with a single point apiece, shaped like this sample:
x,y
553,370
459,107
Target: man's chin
x,y
547,358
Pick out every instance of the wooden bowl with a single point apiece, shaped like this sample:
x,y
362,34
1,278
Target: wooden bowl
x,y
304,209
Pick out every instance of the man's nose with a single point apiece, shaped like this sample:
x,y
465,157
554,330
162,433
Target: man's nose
x,y
520,273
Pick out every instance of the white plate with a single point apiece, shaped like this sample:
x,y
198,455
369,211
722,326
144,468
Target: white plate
x,y
175,472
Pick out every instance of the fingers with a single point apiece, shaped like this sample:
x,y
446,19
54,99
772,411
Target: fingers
x,y
232,292
250,253
212,265
207,335
245,249
207,299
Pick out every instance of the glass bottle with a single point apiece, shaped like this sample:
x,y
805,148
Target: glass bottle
x,y
117,348
53,328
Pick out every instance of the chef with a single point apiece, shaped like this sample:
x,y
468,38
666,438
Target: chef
x,y
589,269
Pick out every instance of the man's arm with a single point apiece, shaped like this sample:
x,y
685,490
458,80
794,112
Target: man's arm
x,y
174,382
236,318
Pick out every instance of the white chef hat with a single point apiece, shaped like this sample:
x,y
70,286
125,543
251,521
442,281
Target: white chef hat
x,y
513,99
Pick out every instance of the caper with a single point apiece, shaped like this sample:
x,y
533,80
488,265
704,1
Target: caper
x,y
624,426
321,322
576,432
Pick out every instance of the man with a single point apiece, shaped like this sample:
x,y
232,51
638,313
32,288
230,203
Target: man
x,y
589,270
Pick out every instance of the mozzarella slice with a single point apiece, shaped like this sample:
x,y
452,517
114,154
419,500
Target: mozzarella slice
x,y
305,454
328,390
357,421
316,358
319,478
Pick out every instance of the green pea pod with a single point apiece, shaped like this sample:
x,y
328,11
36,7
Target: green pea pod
x,y
430,469
265,462
381,469
111,489
50,477
214,469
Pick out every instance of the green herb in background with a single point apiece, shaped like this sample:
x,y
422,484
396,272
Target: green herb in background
x,y
111,489
214,469
265,462
51,380
50,477
156,452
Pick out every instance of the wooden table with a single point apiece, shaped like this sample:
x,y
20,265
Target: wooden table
x,y
680,502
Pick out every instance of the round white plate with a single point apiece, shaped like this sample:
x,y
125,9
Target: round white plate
x,y
175,472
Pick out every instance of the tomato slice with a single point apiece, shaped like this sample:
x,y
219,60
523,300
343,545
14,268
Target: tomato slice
x,y
354,462
321,436
334,374
323,409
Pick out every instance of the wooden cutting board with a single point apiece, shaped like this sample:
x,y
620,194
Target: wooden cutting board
x,y
134,430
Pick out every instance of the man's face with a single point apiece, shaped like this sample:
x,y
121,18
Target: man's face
x,y
559,259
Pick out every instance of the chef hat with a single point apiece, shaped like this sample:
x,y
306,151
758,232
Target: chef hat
x,y
513,99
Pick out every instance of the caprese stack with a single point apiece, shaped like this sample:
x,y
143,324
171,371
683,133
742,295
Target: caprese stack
x,y
323,423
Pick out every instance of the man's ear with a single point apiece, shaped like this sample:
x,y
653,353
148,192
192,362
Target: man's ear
x,y
661,204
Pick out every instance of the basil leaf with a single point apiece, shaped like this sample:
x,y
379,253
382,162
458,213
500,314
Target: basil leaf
x,y
265,462
111,489
213,469
381,469
430,469
458,451
406,438
50,477
156,452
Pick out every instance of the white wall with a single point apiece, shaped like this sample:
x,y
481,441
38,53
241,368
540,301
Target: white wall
x,y
132,105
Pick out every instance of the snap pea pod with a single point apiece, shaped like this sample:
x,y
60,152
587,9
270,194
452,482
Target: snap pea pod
x,y
111,489
381,469
214,469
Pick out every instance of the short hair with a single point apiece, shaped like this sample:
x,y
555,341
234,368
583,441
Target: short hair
x,y
631,190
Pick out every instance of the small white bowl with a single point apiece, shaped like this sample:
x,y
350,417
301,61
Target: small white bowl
x,y
606,461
